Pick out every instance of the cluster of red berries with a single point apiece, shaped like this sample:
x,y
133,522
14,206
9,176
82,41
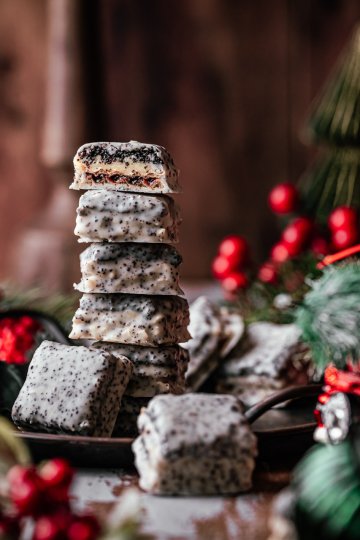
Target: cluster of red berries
x,y
230,263
300,234
43,496
17,337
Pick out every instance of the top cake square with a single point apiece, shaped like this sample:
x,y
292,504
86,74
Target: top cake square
x,y
128,166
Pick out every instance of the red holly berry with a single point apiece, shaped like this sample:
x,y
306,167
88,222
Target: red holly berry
x,y
46,528
221,267
342,216
319,246
268,273
57,475
298,231
57,472
234,282
283,198
345,237
234,248
29,324
25,489
280,252
83,528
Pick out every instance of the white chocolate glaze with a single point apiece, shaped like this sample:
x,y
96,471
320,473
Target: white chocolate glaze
x,y
72,390
194,444
134,319
130,268
110,216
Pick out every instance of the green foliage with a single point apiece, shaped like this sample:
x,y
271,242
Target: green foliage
x,y
12,449
327,484
329,316
59,306
12,377
336,113
334,180
257,303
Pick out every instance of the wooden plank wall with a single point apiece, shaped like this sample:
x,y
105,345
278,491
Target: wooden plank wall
x,y
224,84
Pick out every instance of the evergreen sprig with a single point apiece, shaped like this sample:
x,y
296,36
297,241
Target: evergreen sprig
x,y
329,316
58,305
327,487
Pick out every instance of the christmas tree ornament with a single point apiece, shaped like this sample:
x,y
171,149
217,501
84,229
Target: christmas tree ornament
x,y
283,198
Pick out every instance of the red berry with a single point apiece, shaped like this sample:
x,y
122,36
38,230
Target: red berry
x,y
221,267
283,198
46,528
234,282
57,472
296,234
342,217
267,273
83,528
28,323
234,248
298,230
343,238
280,253
319,246
25,489
57,475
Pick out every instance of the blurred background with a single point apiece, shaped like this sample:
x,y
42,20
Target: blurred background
x,y
225,85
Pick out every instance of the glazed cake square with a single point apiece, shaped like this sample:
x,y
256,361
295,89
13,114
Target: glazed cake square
x,y
194,444
72,390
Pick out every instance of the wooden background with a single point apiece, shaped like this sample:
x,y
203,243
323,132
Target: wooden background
x,y
224,84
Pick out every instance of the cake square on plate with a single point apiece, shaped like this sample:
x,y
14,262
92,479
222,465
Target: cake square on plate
x,y
194,444
73,390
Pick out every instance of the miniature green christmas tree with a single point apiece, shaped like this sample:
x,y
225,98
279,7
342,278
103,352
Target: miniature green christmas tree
x,y
334,179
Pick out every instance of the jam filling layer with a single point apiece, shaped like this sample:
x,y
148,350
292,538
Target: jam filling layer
x,y
102,178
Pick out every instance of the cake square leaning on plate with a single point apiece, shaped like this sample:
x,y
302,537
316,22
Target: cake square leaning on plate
x,y
194,444
72,390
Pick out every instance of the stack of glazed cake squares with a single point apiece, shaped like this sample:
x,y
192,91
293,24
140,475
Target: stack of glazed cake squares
x,y
132,303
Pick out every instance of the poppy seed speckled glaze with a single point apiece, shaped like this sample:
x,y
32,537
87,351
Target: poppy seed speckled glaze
x,y
73,390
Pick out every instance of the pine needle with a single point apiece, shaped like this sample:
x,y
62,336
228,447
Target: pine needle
x,y
329,316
